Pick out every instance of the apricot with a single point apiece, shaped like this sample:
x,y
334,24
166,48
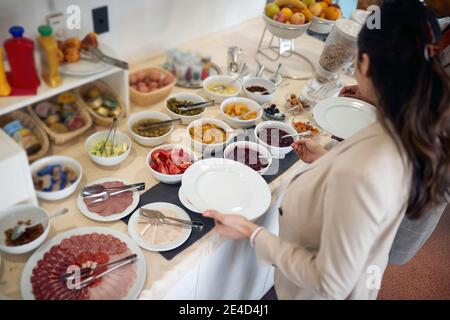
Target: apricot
x,y
287,13
323,4
332,13
308,14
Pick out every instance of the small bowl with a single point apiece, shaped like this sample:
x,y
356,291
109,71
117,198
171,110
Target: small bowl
x,y
168,178
237,123
53,160
150,98
185,97
147,141
261,82
207,148
111,161
322,26
253,146
221,79
9,219
277,152
283,30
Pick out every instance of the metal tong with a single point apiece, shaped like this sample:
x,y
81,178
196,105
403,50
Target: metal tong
x,y
97,55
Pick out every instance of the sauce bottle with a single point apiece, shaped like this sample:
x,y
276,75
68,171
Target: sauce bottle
x,y
19,51
5,88
49,57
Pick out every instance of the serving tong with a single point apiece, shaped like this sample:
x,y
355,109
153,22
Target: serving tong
x,y
149,126
107,194
98,189
90,272
157,218
112,129
96,55
199,105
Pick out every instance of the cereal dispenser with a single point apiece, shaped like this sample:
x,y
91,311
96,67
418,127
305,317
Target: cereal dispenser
x,y
339,52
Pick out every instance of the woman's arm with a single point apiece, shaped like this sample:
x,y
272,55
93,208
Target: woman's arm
x,y
350,228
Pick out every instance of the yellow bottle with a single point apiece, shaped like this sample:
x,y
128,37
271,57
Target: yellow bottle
x,y
49,57
5,88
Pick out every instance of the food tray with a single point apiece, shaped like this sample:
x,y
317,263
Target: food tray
x,y
105,89
28,122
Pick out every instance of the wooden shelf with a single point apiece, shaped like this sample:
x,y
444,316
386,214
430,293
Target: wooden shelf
x,y
9,104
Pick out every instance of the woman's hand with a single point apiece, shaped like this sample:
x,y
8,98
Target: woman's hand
x,y
353,92
231,227
308,150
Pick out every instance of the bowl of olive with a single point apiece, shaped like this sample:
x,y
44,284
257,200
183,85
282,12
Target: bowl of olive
x,y
142,128
174,103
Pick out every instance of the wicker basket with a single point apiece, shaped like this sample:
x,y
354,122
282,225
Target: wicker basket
x,y
29,123
105,89
147,99
61,138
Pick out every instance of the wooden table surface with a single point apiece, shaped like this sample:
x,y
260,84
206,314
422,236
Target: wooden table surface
x,y
162,274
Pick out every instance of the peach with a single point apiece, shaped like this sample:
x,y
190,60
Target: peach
x,y
298,18
316,9
280,18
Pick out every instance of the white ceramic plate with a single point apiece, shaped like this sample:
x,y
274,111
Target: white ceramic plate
x,y
141,272
134,233
343,117
185,202
227,186
84,67
94,216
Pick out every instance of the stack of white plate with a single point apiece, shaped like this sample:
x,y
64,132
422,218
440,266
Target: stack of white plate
x,y
226,186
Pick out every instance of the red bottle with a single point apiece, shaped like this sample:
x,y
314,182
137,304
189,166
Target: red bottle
x,y
23,76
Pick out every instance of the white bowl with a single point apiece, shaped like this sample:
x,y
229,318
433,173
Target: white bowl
x,y
238,123
167,178
283,30
261,99
111,161
221,79
277,152
322,26
9,219
253,146
208,148
64,161
147,141
185,97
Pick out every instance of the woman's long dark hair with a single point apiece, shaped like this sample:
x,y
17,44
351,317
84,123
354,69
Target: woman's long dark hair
x,y
413,93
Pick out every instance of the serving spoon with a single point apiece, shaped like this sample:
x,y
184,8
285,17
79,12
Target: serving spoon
x,y
20,229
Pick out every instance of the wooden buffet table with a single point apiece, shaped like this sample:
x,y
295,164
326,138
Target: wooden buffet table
x,y
183,276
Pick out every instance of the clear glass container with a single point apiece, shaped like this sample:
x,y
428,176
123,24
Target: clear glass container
x,y
338,54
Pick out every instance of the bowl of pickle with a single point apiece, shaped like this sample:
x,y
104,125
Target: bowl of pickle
x,y
178,100
144,131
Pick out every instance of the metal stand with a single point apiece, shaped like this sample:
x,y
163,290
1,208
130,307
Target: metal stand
x,y
271,55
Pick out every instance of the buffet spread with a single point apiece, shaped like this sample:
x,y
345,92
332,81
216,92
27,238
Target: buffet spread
x,y
212,137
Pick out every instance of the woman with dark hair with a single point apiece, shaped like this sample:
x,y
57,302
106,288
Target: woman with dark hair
x,y
339,217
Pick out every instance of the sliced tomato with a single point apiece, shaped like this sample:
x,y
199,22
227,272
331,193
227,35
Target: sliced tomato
x,y
181,152
173,169
162,168
154,165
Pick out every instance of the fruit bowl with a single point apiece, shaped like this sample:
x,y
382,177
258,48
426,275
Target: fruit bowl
x,y
283,30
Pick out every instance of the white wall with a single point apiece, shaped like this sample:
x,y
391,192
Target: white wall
x,y
137,27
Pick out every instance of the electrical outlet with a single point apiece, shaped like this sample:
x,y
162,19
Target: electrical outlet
x,y
58,22
101,20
